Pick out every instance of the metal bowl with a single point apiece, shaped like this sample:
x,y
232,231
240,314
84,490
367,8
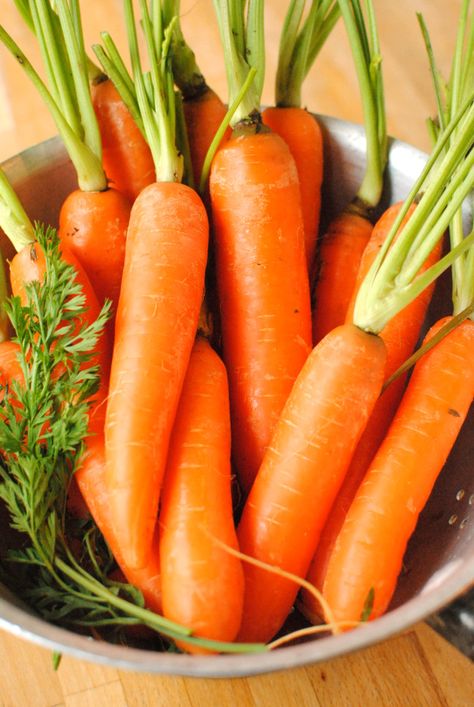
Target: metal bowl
x,y
439,564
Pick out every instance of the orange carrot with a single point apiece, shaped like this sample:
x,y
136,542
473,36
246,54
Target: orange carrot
x,y
340,251
301,132
370,546
400,336
10,368
126,157
157,316
303,469
93,224
202,584
91,479
263,286
300,43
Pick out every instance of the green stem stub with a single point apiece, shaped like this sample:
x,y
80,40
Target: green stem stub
x,y
394,278
363,38
243,43
68,97
153,93
450,96
187,75
14,220
300,43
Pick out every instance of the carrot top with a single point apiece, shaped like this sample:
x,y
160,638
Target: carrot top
x,y
300,43
450,97
14,220
448,177
68,98
244,49
364,42
186,71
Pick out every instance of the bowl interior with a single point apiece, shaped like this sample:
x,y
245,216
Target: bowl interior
x,y
439,563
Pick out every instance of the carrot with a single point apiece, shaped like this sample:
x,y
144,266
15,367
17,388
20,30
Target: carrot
x,y
303,469
92,225
261,273
340,252
93,220
91,479
298,128
341,248
157,316
312,446
126,157
202,584
370,546
302,133
400,336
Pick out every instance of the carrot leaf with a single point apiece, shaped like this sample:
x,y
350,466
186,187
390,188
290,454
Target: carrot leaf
x,y
14,220
300,44
67,98
238,39
186,71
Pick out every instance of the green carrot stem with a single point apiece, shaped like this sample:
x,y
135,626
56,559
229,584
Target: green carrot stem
x,y
255,43
299,46
385,308
109,62
182,141
149,618
367,63
186,72
393,278
420,247
387,270
325,29
293,58
90,174
55,61
156,105
231,26
70,19
221,130
435,73
14,221
4,292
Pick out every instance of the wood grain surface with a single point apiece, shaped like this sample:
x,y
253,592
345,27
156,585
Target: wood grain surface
x,y
416,668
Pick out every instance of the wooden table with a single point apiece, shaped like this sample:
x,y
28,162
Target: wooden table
x,y
416,668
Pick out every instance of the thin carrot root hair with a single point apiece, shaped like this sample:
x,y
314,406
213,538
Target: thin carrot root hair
x,y
332,625
335,628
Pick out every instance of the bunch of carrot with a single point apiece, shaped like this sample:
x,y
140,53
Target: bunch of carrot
x,y
307,428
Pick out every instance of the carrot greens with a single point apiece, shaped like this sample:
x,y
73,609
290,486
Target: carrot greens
x,y
393,279
300,44
68,97
450,97
243,43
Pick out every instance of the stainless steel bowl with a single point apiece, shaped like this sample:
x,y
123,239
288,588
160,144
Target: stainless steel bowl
x,y
439,565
